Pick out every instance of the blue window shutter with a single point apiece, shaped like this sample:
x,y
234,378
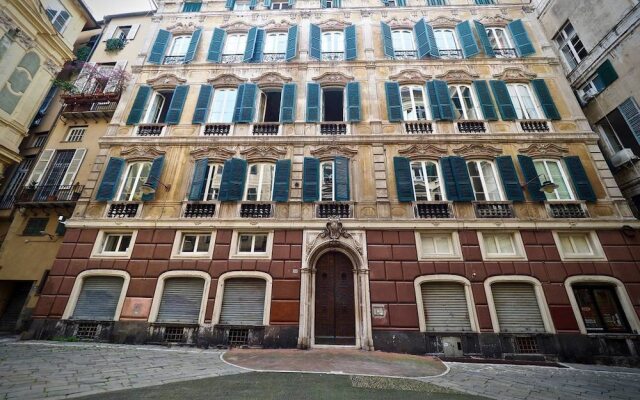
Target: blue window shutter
x,y
434,104
350,43
353,102
193,46
245,103
202,106
531,178
313,102
450,187
445,106
470,47
509,177
229,4
310,180
253,4
607,73
177,103
546,101
387,41
581,184
232,182
341,165
198,184
281,181
425,40
159,47
238,105
292,2
484,39
394,102
484,96
464,188
215,47
267,4
401,3
404,182
315,42
251,44
259,47
503,100
139,105
631,114
292,43
154,177
524,47
288,103
110,179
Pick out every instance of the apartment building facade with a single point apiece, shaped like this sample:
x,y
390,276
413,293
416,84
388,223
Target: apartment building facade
x,y
400,175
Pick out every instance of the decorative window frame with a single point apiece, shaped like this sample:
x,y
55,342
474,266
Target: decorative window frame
x,y
594,242
177,245
77,289
521,254
96,252
157,296
217,306
471,305
455,244
234,254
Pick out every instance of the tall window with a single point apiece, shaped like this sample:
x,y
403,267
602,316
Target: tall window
x,y
553,171
333,104
447,43
426,181
177,49
501,42
222,106
413,103
269,106
158,107
57,13
616,128
280,5
214,178
276,43
234,44
241,6
333,42
327,179
464,103
259,182
403,43
600,308
485,180
571,47
136,175
523,101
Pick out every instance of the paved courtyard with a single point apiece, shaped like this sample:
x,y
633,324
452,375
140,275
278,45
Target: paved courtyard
x,y
51,370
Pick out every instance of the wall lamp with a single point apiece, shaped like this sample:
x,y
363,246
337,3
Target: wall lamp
x,y
147,188
547,186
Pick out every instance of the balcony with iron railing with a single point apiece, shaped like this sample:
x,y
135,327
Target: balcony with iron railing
x,y
274,57
505,53
332,56
451,54
467,126
334,128
433,210
265,129
150,129
567,209
217,129
252,209
232,58
418,128
200,210
334,209
535,126
405,54
57,194
173,60
494,209
123,210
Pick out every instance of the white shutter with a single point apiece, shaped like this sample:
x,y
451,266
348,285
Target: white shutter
x,y
631,113
132,32
98,298
108,33
73,167
243,302
517,307
82,81
445,307
41,167
181,300
115,76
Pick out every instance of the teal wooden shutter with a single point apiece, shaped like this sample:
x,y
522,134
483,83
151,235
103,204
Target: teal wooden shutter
x,y
387,41
139,105
313,102
546,101
159,47
193,46
606,73
292,43
524,46
509,177
353,102
281,181
245,103
631,114
310,180
251,44
584,190
449,179
154,177
401,3
456,179
253,4
315,42
110,179
215,47
288,104
177,103
404,182
238,106
531,178
292,2
341,172
394,102
503,100
259,46
350,43
425,40
267,4
470,47
232,182
199,182
230,4
441,106
488,110
202,105
484,39
434,105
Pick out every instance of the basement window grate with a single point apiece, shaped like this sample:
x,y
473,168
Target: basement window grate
x,y
527,345
174,334
238,337
87,331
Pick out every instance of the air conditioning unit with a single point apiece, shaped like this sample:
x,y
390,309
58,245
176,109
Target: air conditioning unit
x,y
588,95
622,157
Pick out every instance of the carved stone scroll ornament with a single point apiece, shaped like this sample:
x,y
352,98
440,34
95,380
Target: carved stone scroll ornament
x,y
330,151
498,21
217,154
273,26
444,22
333,25
334,232
422,151
515,75
458,76
333,79
263,153
478,151
182,28
400,23
167,80
410,76
236,27
544,150
226,80
271,79
141,153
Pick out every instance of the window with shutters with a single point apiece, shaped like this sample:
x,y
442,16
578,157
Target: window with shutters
x,y
501,245
517,307
35,226
57,13
333,104
523,101
404,46
445,307
440,245
157,108
244,301
578,245
39,141
269,105
437,2
222,105
214,178
181,300
135,176
414,106
280,5
464,102
484,179
275,47
330,3
114,244
98,298
327,179
605,75
332,46
242,6
251,244
571,47
553,170
192,6
259,185
447,43
600,308
501,42
621,126
76,133
177,49
234,46
427,184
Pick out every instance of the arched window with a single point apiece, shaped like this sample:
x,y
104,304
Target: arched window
x,y
553,170
523,101
97,295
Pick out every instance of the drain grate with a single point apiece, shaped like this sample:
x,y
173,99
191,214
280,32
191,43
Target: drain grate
x,y
527,345
87,331
173,334
238,337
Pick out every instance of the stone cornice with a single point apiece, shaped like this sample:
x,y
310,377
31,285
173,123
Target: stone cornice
x,y
226,80
515,75
458,76
271,79
263,153
333,79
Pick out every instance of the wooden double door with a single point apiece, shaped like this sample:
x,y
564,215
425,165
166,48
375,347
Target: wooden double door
x,y
335,319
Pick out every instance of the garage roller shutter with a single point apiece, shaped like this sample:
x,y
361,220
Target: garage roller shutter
x,y
98,298
181,300
445,307
243,302
517,307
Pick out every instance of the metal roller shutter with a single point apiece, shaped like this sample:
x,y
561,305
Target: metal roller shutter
x,y
181,300
445,307
517,307
243,302
98,298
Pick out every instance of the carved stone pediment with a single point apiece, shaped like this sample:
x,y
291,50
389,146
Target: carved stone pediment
x,y
444,22
497,20
217,154
271,79
423,151
166,81
18,35
410,76
513,74
478,151
544,150
333,234
333,25
333,79
458,76
236,26
400,23
263,153
273,26
226,80
140,153
330,151
182,28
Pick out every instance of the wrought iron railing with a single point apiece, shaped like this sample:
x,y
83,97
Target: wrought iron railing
x,y
266,129
200,210
123,210
333,56
450,53
418,128
334,209
494,209
535,126
405,54
216,130
107,107
433,210
471,127
333,128
505,53
232,58
50,193
150,129
256,210
274,57
567,210
173,60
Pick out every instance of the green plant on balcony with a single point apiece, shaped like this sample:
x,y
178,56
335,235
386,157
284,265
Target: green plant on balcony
x,y
83,53
64,85
115,44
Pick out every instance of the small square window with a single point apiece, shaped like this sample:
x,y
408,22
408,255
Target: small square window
x,y
501,245
76,133
39,141
35,226
252,244
194,243
116,243
441,245
578,245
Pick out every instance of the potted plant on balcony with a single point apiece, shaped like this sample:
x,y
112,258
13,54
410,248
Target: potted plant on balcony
x,y
114,45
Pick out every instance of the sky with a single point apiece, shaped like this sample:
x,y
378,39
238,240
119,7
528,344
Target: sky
x,y
100,8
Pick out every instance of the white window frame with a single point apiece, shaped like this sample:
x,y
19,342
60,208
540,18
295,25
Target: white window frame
x,y
518,103
77,289
238,38
261,107
241,6
452,31
119,33
225,93
563,39
333,180
476,105
172,47
138,180
492,32
454,241
235,244
60,8
550,178
76,134
344,102
212,171
336,38
400,45
261,180
176,252
516,240
272,40
155,103
157,295
217,305
446,278
282,5
425,102
424,171
98,246
597,252
483,179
